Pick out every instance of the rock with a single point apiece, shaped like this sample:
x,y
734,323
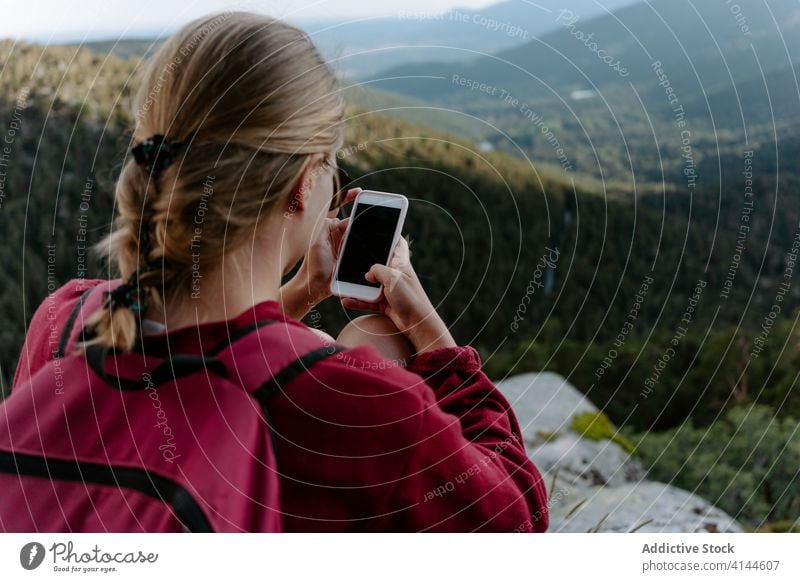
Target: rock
x,y
593,483
660,507
593,463
544,403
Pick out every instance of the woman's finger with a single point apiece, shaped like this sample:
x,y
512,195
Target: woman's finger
x,y
401,255
386,276
359,305
351,195
341,226
336,230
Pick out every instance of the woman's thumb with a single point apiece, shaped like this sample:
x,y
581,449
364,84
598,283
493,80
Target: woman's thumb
x,y
379,274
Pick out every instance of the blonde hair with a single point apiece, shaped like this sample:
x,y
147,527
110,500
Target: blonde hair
x,y
252,98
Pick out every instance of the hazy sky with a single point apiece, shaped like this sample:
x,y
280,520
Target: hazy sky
x,y
59,20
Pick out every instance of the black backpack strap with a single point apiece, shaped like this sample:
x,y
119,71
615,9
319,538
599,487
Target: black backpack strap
x,y
284,377
176,366
67,331
237,335
286,374
185,507
280,379
169,369
291,371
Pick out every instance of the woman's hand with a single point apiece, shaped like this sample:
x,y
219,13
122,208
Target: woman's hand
x,y
404,301
311,284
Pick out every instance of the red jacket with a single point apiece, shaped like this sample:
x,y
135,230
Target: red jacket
x,y
365,445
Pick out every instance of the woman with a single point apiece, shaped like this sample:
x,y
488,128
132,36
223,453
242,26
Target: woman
x,y
391,427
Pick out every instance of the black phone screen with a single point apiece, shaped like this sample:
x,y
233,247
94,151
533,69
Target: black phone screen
x,y
371,232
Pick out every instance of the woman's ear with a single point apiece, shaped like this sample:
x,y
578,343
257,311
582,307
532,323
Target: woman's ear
x,y
296,200
304,185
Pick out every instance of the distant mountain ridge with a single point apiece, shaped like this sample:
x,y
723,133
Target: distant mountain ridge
x,y
361,47
727,69
638,35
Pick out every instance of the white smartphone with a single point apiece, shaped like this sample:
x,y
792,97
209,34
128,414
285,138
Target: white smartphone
x,y
372,233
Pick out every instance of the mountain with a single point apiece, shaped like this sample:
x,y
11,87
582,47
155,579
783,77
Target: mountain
x,y
125,47
695,42
361,47
613,88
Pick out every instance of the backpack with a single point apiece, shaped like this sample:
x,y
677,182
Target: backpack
x,y
131,442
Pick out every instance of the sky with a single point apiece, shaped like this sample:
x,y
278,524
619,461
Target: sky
x,y
75,20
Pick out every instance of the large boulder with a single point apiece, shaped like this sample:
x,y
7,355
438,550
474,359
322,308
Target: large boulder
x,y
646,506
596,485
583,462
544,403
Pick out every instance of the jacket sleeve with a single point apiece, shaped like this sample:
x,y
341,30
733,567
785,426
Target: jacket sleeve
x,y
467,470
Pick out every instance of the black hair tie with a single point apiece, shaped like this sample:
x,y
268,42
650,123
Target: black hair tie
x,y
156,153
128,295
